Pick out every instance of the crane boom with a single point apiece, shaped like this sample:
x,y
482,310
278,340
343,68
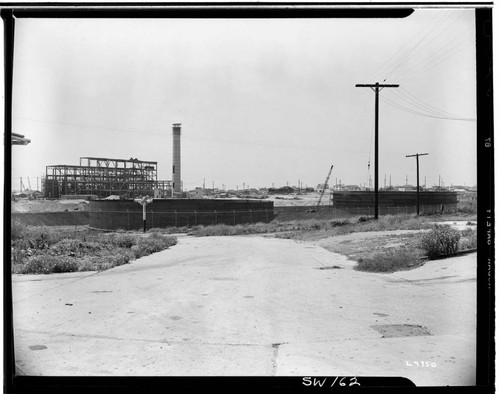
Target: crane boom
x,y
325,185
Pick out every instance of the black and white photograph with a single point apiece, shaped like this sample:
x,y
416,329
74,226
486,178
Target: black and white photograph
x,y
240,195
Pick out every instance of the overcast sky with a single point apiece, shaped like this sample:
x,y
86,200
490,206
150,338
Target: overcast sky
x,y
261,101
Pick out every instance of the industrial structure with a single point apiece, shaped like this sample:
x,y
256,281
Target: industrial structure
x,y
176,158
103,177
98,177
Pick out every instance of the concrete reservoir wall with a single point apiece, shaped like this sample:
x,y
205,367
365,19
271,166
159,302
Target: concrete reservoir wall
x,y
353,199
128,214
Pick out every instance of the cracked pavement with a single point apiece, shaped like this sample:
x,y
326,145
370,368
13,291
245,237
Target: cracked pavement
x,y
249,306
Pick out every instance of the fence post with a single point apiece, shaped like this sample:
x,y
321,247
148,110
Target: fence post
x,y
175,218
102,225
215,216
152,219
128,220
195,218
370,211
251,216
267,216
234,217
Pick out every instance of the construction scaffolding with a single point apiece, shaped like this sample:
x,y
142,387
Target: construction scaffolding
x,y
102,177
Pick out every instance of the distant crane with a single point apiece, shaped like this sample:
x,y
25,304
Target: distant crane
x,y
324,186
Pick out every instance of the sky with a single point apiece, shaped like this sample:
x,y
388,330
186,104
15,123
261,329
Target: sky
x,y
262,102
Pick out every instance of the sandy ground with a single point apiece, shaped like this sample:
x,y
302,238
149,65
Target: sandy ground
x,y
40,205
250,306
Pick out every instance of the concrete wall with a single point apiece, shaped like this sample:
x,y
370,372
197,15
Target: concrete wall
x,y
127,214
75,218
353,199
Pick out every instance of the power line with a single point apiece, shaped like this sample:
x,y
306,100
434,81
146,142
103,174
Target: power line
x,y
411,99
390,102
189,136
402,48
413,51
427,64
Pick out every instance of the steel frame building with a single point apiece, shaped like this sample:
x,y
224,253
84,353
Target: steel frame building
x,y
103,177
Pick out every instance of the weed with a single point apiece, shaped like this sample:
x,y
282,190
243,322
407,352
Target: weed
x,y
390,260
122,240
152,244
48,264
468,239
45,250
441,241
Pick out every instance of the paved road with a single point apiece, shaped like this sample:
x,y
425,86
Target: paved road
x,y
250,306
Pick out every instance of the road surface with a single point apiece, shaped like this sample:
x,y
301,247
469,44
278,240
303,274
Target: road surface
x,y
250,306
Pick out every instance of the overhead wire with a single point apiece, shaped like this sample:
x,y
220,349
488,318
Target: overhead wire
x,y
190,135
401,49
415,112
431,63
410,98
421,44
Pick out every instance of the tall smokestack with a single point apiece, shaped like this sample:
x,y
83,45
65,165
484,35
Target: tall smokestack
x,y
176,158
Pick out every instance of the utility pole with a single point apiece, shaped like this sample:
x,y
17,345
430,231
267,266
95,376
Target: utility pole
x,y
377,87
416,155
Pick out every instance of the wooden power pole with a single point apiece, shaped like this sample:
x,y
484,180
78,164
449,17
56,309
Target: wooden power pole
x,y
416,155
376,87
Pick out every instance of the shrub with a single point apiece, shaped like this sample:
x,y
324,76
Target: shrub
x,y
441,241
362,219
152,244
107,261
48,264
468,240
390,260
123,240
217,230
75,247
338,223
17,230
38,238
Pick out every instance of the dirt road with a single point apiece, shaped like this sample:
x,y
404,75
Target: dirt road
x,y
250,306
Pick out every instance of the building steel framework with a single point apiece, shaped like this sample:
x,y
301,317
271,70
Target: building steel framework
x,y
104,177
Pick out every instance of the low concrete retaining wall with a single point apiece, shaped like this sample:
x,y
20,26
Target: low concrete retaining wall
x,y
76,218
359,199
127,214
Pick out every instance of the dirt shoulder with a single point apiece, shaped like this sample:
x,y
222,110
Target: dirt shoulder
x,y
358,245
362,245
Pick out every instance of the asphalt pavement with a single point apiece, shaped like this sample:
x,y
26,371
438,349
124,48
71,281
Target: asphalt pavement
x,y
250,306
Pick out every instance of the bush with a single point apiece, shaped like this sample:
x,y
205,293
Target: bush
x,y
390,260
122,240
17,230
48,264
468,240
441,241
152,243
38,238
218,230
75,247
